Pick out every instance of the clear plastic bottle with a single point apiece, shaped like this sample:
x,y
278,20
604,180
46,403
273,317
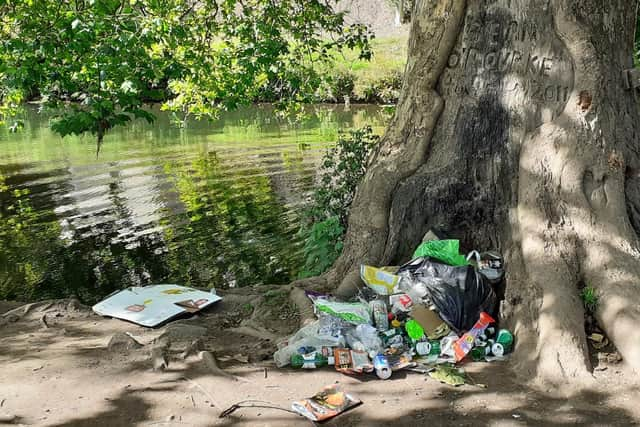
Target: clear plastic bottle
x,y
308,336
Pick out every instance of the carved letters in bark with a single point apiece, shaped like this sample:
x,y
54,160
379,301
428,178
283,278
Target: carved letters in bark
x,y
520,60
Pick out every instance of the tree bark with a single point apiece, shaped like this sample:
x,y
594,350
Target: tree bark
x,y
514,131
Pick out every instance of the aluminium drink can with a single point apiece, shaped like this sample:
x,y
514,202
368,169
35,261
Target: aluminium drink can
x,y
382,367
503,344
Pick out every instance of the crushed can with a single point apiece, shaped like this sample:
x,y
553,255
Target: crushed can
x,y
382,367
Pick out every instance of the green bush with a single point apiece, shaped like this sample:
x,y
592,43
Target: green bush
x,y
338,85
322,247
342,168
384,90
342,85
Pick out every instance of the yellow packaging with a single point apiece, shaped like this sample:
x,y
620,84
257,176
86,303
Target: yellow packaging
x,y
381,281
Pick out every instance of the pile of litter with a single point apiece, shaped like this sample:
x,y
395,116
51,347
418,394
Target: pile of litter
x,y
429,315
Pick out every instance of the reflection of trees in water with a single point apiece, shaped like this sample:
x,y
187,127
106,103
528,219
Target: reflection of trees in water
x,y
115,243
234,230
87,229
98,264
221,225
24,244
83,254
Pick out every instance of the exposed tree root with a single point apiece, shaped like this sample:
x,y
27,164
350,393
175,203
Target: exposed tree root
x,y
211,363
27,308
304,306
194,347
43,321
160,354
255,331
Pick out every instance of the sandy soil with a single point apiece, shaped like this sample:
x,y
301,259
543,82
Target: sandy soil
x,y
61,371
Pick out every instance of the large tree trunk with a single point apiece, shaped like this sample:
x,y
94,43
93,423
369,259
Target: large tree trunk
x,y
515,131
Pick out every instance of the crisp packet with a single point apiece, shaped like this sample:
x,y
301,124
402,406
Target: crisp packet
x,y
381,281
326,404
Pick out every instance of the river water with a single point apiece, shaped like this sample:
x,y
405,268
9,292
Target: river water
x,y
216,204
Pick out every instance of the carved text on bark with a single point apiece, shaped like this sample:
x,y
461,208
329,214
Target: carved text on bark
x,y
521,62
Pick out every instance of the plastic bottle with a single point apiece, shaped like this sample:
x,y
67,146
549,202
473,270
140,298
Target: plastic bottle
x,y
308,336
464,345
380,315
428,348
310,361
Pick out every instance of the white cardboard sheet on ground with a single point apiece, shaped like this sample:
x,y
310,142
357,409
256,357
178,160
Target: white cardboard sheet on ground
x,y
152,305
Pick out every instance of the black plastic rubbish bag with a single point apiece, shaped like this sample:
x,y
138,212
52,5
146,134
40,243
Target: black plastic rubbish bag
x,y
459,293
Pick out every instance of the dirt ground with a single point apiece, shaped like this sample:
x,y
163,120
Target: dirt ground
x,y
58,368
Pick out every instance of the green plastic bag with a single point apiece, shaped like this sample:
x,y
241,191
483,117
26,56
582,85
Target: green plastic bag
x,y
447,251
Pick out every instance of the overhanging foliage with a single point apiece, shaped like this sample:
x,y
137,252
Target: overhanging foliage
x,y
96,62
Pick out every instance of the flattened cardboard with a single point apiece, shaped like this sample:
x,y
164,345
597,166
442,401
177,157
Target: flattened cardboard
x,y
427,318
152,305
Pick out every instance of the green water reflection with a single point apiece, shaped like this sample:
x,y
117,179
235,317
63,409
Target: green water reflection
x,y
216,204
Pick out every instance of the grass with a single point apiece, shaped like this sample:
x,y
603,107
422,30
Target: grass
x,y
389,56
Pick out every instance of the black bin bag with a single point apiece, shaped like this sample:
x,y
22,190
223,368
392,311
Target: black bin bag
x,y
459,293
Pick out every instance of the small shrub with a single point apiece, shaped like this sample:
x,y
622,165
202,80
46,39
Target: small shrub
x,y
337,87
343,84
385,90
322,247
342,168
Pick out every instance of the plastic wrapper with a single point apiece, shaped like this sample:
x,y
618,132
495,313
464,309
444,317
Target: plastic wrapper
x,y
398,359
326,404
381,281
332,326
353,312
350,361
458,293
447,251
364,338
309,336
